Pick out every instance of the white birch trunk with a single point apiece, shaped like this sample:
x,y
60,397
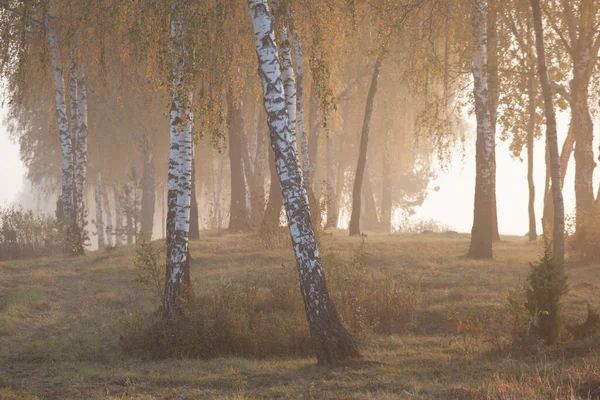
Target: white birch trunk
x,y
482,232
99,216
300,111
81,147
331,340
180,172
61,117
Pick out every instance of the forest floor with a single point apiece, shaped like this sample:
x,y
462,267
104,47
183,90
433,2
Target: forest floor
x,y
61,320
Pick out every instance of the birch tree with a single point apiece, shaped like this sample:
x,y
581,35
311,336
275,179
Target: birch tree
x,y
180,171
485,180
331,340
67,203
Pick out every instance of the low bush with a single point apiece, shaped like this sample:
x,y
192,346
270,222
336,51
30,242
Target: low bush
x,y
535,310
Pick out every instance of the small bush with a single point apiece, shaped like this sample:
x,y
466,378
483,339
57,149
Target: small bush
x,y
584,243
589,327
151,272
546,285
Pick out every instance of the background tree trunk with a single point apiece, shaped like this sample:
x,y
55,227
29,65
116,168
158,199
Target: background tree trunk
x,y
362,155
332,209
194,217
273,211
386,195
331,340
558,245
370,214
238,216
99,219
109,225
148,193
532,94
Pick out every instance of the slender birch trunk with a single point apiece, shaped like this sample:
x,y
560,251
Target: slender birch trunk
x,y
61,117
180,171
331,340
362,154
81,148
482,233
109,225
99,217
558,246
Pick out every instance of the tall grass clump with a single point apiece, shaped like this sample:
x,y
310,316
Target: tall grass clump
x,y
263,316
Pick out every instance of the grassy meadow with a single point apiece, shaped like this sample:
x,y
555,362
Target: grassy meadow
x,y
62,325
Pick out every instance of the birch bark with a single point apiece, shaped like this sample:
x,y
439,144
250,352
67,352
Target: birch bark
x,y
81,147
483,229
331,340
61,117
179,177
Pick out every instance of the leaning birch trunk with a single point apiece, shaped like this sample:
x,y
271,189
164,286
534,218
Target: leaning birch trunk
x,y
63,122
179,178
482,232
109,226
81,147
558,245
362,154
99,217
331,340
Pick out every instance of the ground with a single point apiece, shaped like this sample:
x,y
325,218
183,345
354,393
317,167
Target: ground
x,y
61,322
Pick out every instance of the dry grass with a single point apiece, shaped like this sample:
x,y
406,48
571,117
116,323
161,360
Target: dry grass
x,y
60,322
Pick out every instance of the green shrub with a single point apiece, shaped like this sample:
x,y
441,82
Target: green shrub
x,y
546,285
